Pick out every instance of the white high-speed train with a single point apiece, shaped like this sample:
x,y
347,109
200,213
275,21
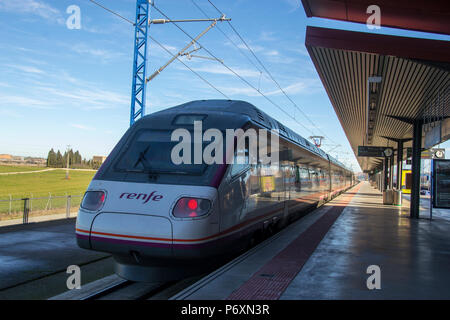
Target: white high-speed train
x,y
164,221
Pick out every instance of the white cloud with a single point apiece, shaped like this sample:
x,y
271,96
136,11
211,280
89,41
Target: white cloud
x,y
90,99
300,50
34,7
272,53
294,4
11,101
82,127
84,49
60,90
267,36
254,47
155,48
26,69
295,88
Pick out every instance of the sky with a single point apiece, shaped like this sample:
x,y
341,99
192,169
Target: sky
x,y
61,86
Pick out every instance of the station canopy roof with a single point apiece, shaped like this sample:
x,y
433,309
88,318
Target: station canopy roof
x,y
371,79
421,15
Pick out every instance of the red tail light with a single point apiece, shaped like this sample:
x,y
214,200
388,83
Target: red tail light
x,y
191,207
93,200
192,204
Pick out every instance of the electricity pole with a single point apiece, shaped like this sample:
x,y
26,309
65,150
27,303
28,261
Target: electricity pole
x,y
181,52
141,24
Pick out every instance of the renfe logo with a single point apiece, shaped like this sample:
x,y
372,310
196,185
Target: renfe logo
x,y
144,197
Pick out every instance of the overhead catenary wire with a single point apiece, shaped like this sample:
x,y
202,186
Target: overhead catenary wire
x,y
219,60
164,48
228,37
267,71
111,11
193,71
231,70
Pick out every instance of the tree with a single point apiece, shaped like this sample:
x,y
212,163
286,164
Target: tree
x,y
71,162
77,157
59,160
51,158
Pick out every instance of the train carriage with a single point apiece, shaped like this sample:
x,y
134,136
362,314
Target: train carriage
x,y
162,220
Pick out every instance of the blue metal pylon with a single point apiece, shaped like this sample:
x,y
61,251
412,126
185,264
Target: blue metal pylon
x,y
140,59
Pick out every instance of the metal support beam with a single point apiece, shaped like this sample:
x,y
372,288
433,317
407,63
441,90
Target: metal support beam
x,y
385,172
139,60
391,170
180,53
400,143
399,163
415,169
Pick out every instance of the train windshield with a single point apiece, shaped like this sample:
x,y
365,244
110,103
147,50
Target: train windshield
x,y
150,152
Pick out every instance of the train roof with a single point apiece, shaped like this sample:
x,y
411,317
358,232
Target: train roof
x,y
256,115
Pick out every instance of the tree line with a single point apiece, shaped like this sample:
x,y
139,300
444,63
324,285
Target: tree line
x,y
76,161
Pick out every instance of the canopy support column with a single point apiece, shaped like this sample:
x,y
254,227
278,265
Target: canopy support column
x,y
415,169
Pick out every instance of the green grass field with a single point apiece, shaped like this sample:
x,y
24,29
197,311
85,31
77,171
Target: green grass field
x,y
4,168
40,185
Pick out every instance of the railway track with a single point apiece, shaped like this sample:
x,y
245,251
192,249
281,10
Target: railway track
x,y
120,289
54,282
129,290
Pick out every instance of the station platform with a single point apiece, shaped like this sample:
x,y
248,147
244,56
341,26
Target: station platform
x,y
325,255
34,259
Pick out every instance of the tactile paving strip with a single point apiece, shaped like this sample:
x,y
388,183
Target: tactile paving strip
x,y
271,280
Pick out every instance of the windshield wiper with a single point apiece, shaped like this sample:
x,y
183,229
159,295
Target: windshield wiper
x,y
142,159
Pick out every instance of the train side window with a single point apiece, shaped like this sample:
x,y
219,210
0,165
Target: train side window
x,y
304,175
240,162
314,175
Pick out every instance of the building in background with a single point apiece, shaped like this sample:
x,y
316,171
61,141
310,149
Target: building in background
x,y
99,159
8,159
5,157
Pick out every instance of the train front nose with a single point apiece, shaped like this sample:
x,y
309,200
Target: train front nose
x,y
144,226
133,224
132,234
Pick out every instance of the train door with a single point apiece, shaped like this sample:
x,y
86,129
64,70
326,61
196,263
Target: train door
x,y
234,191
305,181
315,186
290,179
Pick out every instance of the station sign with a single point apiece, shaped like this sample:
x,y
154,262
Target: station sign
x,y
434,153
369,151
441,183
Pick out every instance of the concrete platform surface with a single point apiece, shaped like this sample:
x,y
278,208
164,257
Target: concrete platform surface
x,y
413,256
29,252
424,208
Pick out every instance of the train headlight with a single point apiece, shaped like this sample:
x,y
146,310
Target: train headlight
x,y
93,200
191,207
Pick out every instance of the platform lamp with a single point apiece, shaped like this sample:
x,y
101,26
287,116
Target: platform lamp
x,y
372,102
